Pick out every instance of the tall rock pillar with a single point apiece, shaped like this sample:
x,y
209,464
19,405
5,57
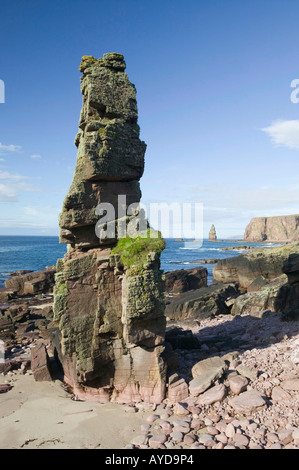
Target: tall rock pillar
x,y
212,233
108,297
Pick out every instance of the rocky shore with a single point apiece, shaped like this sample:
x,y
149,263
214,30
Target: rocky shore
x,y
232,380
248,387
123,355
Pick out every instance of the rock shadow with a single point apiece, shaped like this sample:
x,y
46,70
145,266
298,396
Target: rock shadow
x,y
190,344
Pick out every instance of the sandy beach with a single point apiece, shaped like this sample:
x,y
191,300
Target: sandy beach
x,y
41,415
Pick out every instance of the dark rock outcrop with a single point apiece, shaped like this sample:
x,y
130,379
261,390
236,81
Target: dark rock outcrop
x,y
290,292
108,298
281,228
32,283
269,279
201,303
183,280
268,297
246,268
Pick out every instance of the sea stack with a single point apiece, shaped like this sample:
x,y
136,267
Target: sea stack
x,y
108,296
212,233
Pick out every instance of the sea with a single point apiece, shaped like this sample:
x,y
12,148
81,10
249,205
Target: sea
x,y
36,253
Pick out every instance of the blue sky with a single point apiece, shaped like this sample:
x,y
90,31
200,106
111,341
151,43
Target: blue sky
x,y
213,83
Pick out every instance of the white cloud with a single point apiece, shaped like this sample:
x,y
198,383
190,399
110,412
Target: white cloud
x,y
5,149
2,160
36,156
5,175
11,184
284,133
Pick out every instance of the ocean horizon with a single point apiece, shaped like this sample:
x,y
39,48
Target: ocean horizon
x,y
35,253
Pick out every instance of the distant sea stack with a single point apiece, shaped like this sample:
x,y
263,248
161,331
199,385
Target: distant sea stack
x,y
212,234
283,228
108,296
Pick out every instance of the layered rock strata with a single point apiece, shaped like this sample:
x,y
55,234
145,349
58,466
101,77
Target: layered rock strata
x,y
269,279
265,264
31,283
108,298
202,303
280,228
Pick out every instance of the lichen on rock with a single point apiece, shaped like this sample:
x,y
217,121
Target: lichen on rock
x,y
108,302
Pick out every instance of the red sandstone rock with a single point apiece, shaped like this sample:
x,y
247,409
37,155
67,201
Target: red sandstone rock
x,y
40,363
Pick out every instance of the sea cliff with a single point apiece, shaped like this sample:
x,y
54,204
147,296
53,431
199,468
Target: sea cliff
x,y
283,228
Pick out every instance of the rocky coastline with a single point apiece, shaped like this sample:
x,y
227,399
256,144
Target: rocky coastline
x,y
232,369
179,364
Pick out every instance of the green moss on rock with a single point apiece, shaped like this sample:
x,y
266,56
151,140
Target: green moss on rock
x,y
134,251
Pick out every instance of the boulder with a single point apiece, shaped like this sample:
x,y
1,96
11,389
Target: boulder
x,y
7,294
40,363
201,303
214,394
183,280
237,384
269,297
40,282
248,402
177,391
205,373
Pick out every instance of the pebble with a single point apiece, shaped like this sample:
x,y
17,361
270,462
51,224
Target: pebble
x,y
145,428
267,369
189,439
181,409
152,418
166,427
156,441
230,430
247,372
238,384
177,436
295,436
292,384
272,437
207,440
240,440
212,430
197,424
221,438
139,440
279,394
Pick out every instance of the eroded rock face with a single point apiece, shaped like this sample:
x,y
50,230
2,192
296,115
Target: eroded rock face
x,y
269,277
183,280
266,263
110,158
201,303
281,228
109,311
